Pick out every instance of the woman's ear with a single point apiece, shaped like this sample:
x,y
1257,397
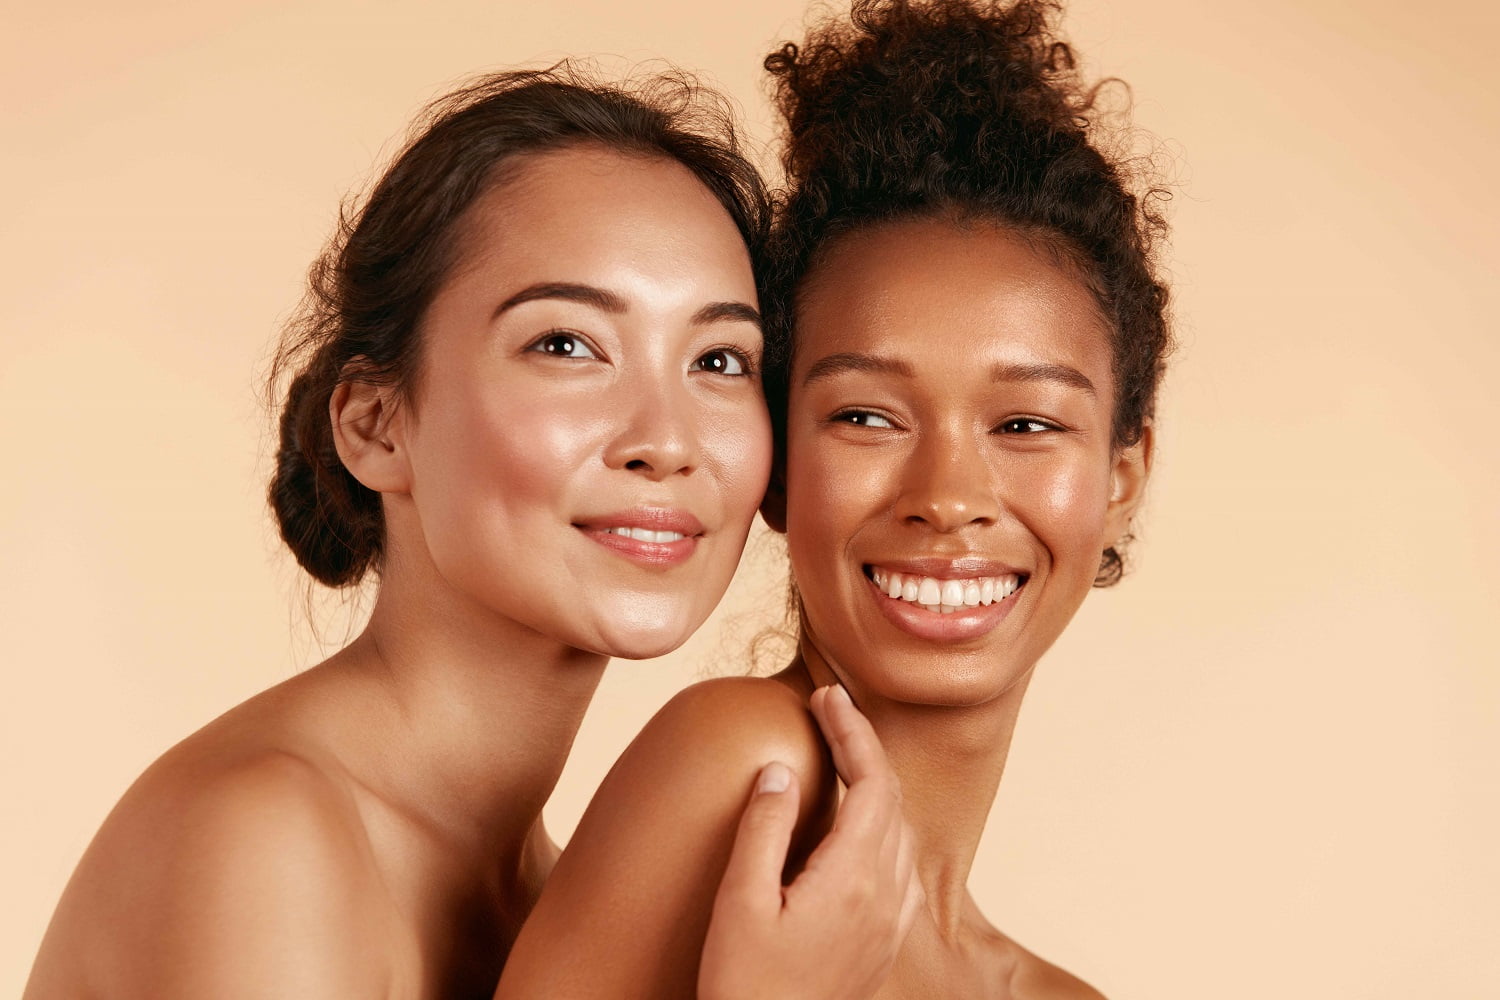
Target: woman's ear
x,y
369,431
773,507
1127,484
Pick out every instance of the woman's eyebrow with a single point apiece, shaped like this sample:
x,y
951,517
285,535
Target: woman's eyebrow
x,y
715,311
1060,374
607,301
600,298
837,364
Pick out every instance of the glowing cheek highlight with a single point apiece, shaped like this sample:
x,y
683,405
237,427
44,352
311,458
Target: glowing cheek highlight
x,y
1085,490
521,436
1068,508
1063,494
737,453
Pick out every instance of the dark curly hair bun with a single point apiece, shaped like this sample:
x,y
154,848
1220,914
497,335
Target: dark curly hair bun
x,y
330,521
973,108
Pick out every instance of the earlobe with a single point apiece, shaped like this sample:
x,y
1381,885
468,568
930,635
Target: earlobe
x,y
369,429
1127,482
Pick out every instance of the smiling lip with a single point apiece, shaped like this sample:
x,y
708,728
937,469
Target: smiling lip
x,y
957,568
649,536
960,621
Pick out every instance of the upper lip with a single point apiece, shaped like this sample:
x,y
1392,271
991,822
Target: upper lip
x,y
963,567
652,518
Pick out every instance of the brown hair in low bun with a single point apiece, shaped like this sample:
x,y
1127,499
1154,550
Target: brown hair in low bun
x,y
369,289
973,109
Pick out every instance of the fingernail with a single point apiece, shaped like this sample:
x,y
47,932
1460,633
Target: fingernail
x,y
775,777
839,692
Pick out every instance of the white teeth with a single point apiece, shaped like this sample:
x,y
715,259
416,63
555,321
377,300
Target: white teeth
x,y
647,535
945,596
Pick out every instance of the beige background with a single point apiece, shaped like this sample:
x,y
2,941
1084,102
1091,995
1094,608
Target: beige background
x,y
1265,766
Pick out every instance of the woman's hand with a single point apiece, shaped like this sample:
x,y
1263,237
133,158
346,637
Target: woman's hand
x,y
835,931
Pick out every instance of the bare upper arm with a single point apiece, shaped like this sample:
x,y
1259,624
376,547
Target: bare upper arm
x,y
625,911
247,880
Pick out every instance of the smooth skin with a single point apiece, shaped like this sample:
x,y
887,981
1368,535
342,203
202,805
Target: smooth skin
x,y
372,827
950,416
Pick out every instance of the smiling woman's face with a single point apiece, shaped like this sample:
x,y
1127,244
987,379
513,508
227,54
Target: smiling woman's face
x,y
587,438
950,477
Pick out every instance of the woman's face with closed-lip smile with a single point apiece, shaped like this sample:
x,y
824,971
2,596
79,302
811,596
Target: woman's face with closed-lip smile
x,y
951,481
587,437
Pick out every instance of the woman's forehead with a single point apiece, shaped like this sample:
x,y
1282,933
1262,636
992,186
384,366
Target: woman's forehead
x,y
929,288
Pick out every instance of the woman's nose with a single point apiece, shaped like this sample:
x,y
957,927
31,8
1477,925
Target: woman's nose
x,y
657,436
948,484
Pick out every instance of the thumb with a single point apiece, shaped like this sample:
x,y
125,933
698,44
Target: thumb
x,y
753,875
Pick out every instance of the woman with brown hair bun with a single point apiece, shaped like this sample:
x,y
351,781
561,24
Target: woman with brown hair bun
x,y
972,337
525,394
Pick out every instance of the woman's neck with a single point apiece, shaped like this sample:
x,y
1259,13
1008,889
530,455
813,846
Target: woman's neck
x,y
465,718
950,760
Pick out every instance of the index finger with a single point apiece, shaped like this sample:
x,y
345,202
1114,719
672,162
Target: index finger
x,y
867,831
857,753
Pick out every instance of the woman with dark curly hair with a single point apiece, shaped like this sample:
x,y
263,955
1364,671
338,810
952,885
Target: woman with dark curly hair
x,y
524,392
973,337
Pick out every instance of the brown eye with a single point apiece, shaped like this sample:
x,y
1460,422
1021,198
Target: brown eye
x,y
1025,425
864,418
723,362
563,345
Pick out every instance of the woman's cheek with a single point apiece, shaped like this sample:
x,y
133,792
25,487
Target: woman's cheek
x,y
738,445
1072,500
818,489
535,438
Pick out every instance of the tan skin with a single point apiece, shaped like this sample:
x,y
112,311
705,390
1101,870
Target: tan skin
x,y
372,827
950,417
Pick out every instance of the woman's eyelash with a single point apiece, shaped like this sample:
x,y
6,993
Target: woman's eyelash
x,y
1026,425
863,418
563,344
728,361
1013,425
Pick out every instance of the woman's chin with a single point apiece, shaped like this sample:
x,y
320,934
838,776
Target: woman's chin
x,y
641,624
642,649
640,640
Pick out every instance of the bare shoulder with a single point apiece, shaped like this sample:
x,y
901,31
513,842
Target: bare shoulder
x,y
705,748
1034,978
228,869
634,888
747,721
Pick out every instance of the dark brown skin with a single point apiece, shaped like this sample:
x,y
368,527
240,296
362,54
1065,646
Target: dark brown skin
x,y
946,432
639,875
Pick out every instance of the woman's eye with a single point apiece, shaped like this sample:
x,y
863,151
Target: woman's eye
x,y
1025,425
864,418
723,362
563,345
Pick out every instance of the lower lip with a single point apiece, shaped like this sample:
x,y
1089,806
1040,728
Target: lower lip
x,y
933,626
658,554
